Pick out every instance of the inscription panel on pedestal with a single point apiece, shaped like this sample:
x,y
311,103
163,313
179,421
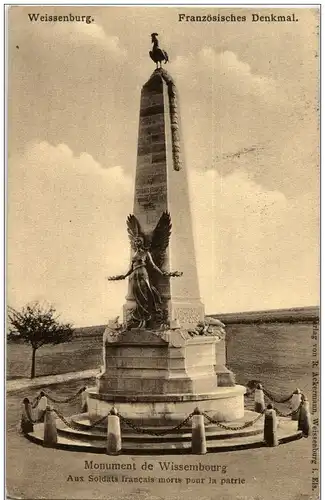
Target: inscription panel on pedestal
x,y
190,315
164,289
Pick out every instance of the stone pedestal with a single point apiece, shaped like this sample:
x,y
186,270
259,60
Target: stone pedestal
x,y
157,378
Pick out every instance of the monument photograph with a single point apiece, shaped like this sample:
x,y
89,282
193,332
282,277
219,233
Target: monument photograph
x,y
162,271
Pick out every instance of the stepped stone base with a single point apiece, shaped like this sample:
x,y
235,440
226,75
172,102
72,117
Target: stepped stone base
x,y
155,380
93,440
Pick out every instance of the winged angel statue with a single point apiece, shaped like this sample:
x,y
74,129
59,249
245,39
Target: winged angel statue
x,y
147,261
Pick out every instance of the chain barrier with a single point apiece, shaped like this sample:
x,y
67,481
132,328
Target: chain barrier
x,y
30,418
233,428
68,400
99,421
293,412
129,423
73,425
154,433
274,399
64,420
35,401
76,426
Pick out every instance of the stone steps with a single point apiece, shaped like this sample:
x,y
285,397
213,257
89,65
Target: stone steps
x,y
212,431
83,421
73,433
140,443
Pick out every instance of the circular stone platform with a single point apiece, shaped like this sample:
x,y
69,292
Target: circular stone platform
x,y
81,437
225,404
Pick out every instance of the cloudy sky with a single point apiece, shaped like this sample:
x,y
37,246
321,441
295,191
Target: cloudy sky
x,y
248,100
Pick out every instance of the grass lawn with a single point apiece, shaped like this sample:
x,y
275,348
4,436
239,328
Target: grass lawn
x,y
77,355
34,472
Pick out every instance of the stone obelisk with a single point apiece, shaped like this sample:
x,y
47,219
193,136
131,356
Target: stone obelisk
x,y
157,371
161,185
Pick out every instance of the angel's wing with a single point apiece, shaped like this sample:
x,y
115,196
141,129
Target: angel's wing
x,y
160,238
134,229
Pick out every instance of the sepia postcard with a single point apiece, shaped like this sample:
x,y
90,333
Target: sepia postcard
x,y
162,265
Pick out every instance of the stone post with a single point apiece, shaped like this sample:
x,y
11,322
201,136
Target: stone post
x,y
295,403
271,426
41,407
50,430
26,421
199,445
304,420
114,439
259,402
